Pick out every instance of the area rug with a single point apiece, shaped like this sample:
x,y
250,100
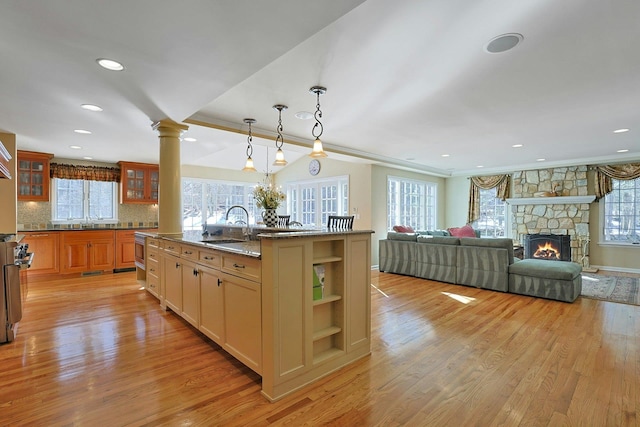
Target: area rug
x,y
611,288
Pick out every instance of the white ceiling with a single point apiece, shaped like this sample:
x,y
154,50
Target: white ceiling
x,y
407,81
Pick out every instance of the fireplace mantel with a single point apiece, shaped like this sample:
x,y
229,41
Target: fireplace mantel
x,y
560,200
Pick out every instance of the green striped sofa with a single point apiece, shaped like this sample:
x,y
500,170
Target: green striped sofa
x,y
481,263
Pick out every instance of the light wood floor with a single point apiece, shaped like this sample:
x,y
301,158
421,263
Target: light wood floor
x,y
99,351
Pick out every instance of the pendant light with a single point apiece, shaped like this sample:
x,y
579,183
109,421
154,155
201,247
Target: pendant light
x,y
248,166
280,161
317,128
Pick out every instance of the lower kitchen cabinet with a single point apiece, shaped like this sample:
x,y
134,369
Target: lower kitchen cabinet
x,y
84,251
190,293
125,249
243,320
172,282
211,304
45,247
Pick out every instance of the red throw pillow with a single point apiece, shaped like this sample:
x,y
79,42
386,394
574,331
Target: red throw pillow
x,y
402,229
466,231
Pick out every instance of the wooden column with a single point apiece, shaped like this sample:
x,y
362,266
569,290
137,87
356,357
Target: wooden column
x,y
169,200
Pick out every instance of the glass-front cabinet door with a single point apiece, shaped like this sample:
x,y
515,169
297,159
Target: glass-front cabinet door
x,y
33,176
139,182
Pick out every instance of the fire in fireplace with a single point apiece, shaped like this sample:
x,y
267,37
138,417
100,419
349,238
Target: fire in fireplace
x,y
555,247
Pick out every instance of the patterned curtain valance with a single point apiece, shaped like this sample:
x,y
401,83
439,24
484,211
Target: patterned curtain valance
x,y
89,173
502,182
604,174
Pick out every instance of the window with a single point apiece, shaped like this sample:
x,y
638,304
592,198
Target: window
x,y
311,202
492,219
412,203
621,216
77,200
207,201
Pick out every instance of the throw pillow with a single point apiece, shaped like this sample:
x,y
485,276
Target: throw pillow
x,y
403,229
466,231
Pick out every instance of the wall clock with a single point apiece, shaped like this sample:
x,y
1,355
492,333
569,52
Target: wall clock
x,y
314,167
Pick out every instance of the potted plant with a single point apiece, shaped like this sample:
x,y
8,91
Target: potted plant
x,y
268,198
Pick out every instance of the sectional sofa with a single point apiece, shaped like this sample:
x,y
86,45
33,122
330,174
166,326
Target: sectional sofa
x,y
483,263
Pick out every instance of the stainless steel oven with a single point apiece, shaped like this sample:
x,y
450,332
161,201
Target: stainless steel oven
x,y
139,250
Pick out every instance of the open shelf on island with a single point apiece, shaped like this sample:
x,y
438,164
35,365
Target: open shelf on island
x,y
326,355
327,299
322,333
327,259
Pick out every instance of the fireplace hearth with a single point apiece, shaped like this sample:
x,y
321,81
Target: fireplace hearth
x,y
554,247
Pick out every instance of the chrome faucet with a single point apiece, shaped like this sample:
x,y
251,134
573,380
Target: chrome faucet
x,y
237,206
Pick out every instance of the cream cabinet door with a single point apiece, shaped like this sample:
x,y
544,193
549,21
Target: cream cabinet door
x,y
211,305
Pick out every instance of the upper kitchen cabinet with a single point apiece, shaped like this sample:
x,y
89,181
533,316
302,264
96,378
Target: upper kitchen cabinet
x,y
139,182
33,176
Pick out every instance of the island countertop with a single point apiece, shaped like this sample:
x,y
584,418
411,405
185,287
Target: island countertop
x,y
233,241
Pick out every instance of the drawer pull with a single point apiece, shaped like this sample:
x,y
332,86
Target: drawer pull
x,y
208,258
170,248
151,270
238,265
187,252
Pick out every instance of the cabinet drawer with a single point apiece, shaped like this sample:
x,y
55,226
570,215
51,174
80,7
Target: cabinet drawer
x,y
242,266
189,252
153,268
152,242
153,255
209,257
172,247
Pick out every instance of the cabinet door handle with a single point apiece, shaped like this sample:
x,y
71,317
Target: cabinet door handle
x,y
177,265
195,272
219,282
238,265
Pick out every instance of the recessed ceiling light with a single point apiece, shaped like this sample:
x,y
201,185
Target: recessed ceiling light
x,y
75,147
445,155
623,151
303,115
110,64
91,107
503,43
621,130
82,131
88,158
479,166
540,160
189,139
517,145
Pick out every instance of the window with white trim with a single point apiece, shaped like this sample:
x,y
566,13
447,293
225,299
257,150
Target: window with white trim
x,y
621,212
311,202
411,202
77,200
491,222
207,202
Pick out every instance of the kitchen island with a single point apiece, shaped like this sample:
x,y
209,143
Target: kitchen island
x,y
257,298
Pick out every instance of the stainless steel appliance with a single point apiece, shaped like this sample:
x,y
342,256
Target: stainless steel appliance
x,y
13,257
139,250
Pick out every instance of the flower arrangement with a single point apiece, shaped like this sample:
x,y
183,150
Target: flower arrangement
x,y
268,197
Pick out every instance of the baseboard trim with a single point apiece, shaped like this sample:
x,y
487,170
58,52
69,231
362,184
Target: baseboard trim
x,y
618,269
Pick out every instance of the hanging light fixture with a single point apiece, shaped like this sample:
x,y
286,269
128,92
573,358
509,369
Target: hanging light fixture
x,y
248,166
280,161
317,128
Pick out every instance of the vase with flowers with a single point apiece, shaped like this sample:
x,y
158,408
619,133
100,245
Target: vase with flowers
x,y
269,199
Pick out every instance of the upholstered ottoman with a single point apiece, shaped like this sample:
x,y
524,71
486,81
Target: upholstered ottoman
x,y
558,280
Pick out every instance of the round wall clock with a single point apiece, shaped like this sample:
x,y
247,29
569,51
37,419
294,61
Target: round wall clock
x,y
314,167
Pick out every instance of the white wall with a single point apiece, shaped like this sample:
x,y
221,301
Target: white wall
x,y
457,201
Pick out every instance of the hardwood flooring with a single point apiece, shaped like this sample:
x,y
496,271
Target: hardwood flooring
x,y
98,351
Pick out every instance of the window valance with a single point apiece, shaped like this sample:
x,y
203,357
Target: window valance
x,y
604,174
88,173
502,182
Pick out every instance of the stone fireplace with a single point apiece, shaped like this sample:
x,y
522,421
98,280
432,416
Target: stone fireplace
x,y
553,202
